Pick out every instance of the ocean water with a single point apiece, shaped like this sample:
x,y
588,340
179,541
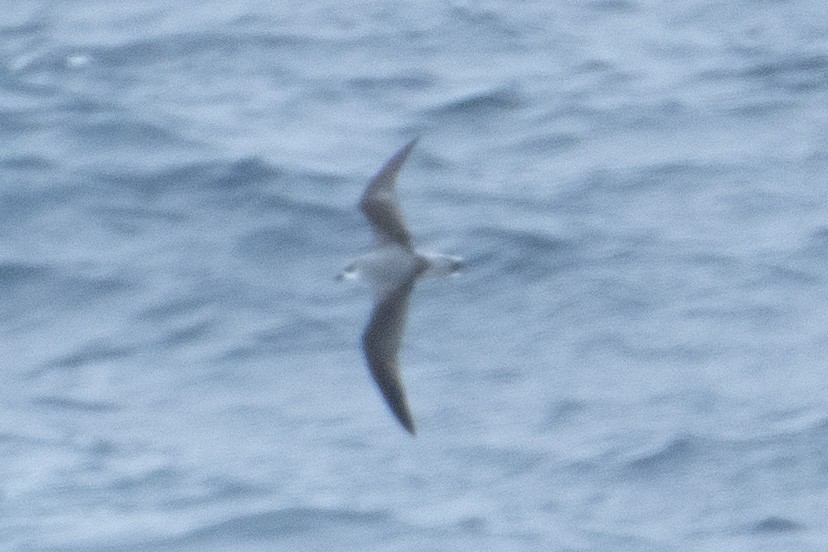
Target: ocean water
x,y
634,360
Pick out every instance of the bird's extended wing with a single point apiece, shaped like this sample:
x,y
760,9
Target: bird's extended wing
x,y
381,343
379,201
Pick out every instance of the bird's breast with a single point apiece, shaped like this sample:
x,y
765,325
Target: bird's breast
x,y
387,268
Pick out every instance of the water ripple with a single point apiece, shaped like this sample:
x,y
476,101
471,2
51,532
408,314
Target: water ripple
x,y
775,524
278,524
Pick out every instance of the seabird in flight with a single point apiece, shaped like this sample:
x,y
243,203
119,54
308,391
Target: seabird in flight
x,y
392,268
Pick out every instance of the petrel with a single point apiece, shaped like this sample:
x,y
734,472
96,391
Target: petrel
x,y
393,268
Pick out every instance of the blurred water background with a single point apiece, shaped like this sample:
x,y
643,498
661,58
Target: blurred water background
x,y
634,360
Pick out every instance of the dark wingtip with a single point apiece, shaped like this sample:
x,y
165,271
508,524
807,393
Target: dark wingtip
x,y
408,424
402,154
399,408
412,142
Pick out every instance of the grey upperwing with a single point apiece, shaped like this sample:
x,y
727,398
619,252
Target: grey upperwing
x,y
379,201
381,344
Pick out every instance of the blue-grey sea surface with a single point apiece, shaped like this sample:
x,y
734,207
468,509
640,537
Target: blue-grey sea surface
x,y
636,358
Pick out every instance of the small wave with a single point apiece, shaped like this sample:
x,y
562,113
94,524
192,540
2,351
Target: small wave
x,y
563,411
16,273
127,133
132,220
163,477
666,457
77,289
296,226
807,262
88,106
17,122
32,289
818,242
188,334
675,174
193,46
796,73
802,431
497,459
247,171
600,185
775,524
31,26
174,308
758,314
481,103
156,183
303,331
27,163
799,72
216,489
549,142
385,84
23,204
614,6
528,241
762,107
286,522
203,175
77,405
268,243
92,353
530,254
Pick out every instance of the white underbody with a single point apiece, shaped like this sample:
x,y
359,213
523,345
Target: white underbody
x,y
387,267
